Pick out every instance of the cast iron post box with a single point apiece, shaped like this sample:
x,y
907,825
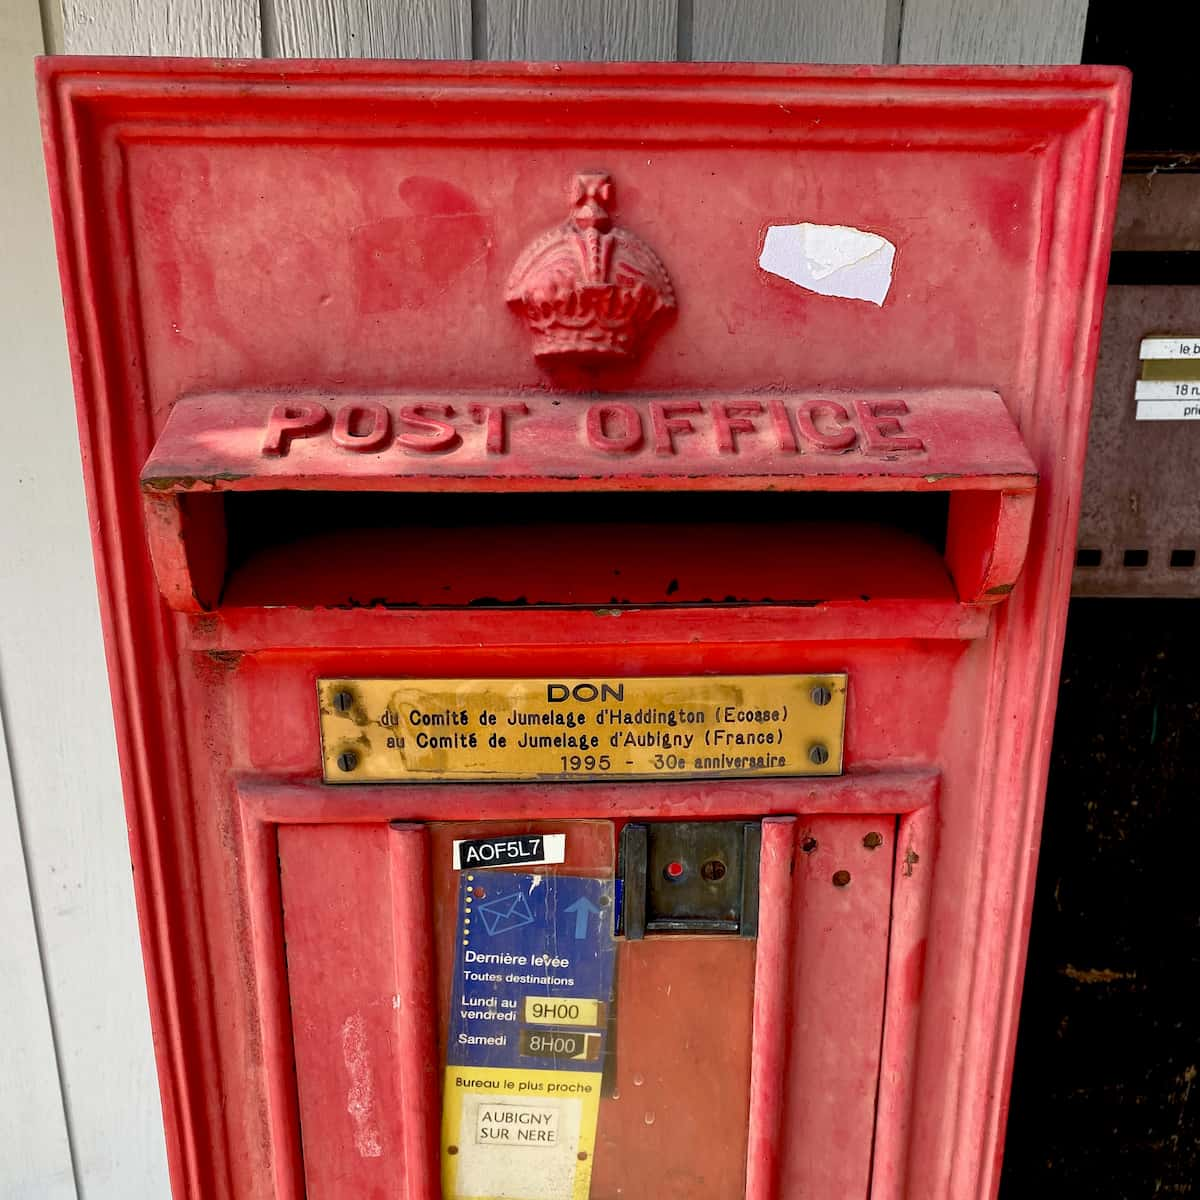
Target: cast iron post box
x,y
584,554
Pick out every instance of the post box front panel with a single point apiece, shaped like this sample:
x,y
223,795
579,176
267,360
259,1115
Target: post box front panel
x,y
805,394
683,1005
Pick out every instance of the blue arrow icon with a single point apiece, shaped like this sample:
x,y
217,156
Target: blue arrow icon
x,y
582,908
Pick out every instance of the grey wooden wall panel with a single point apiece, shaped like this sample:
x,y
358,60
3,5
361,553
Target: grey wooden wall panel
x,y
1012,32
218,28
367,29
52,21
35,1153
819,31
59,718
579,30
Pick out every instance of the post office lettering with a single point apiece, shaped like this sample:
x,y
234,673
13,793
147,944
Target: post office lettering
x,y
661,428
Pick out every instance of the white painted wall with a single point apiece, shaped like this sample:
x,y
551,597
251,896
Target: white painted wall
x,y
79,1112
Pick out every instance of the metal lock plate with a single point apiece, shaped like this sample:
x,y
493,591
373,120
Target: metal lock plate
x,y
689,877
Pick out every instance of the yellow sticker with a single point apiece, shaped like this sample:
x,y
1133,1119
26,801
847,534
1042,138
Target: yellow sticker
x,y
675,727
563,1010
509,1133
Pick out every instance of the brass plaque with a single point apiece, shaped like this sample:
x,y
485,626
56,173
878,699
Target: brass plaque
x,y
719,726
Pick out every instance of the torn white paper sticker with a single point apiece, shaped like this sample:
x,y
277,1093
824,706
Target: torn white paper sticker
x,y
831,260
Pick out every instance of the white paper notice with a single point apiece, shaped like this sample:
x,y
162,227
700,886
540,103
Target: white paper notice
x,y
508,1124
519,1151
1169,393
1168,399
831,260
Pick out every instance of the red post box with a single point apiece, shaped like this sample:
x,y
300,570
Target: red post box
x,y
583,554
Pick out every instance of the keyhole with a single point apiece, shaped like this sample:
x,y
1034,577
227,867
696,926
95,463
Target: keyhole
x,y
712,870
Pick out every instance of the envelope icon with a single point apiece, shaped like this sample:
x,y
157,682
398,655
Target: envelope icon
x,y
502,914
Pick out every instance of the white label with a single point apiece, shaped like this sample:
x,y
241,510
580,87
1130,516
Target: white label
x,y
1167,389
523,849
1168,400
1168,410
532,1125
1170,347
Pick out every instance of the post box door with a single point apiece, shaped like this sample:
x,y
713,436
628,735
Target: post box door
x,y
673,1095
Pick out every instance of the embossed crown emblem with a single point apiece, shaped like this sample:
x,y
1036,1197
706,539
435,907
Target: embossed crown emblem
x,y
589,289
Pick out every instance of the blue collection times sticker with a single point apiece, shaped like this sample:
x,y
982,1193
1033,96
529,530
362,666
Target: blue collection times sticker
x,y
533,977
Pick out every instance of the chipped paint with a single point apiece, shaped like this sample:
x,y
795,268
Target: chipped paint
x,y
360,1099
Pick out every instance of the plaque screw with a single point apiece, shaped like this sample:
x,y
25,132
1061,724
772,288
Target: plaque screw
x,y
820,695
873,841
841,879
818,755
347,760
343,701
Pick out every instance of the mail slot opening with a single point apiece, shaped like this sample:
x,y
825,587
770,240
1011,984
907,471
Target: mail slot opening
x,y
348,549
254,501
